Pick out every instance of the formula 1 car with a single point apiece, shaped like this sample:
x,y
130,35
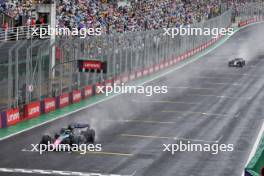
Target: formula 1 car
x,y
73,134
237,62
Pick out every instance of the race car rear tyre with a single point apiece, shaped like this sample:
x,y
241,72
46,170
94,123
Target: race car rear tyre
x,y
90,136
46,140
56,136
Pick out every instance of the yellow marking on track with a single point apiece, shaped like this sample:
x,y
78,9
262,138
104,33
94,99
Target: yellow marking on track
x,y
109,153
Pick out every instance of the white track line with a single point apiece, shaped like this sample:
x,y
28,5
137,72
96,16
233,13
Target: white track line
x,y
56,172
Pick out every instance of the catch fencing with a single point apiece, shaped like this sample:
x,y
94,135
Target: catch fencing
x,y
126,53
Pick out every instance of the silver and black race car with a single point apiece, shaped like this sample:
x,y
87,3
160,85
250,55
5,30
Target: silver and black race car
x,y
237,62
73,134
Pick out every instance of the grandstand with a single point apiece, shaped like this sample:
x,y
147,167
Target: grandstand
x,y
112,17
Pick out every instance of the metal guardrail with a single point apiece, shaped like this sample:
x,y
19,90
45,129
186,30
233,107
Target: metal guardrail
x,y
20,33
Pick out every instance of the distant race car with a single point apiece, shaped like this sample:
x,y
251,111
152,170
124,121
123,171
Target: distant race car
x,y
237,62
73,134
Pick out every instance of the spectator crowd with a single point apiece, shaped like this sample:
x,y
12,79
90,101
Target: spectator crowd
x,y
137,15
111,16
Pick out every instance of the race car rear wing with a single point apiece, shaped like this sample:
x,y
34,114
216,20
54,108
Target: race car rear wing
x,y
78,125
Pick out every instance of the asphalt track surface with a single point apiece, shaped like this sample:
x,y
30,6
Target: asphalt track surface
x,y
207,102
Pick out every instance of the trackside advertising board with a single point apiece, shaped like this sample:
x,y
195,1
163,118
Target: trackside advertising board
x,y
157,67
117,80
88,91
246,22
145,72
98,87
76,96
63,100
10,117
32,110
139,74
48,105
132,76
125,78
109,84
92,66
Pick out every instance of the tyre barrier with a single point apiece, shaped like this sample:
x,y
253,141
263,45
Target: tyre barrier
x,y
35,109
